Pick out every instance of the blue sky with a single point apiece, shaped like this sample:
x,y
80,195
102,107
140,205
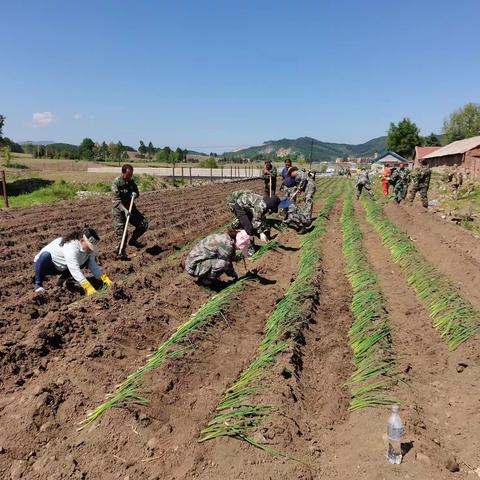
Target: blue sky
x,y
213,75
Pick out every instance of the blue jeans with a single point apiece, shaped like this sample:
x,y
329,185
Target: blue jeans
x,y
44,266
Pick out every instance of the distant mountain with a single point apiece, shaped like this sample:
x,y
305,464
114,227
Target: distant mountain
x,y
193,152
321,151
39,142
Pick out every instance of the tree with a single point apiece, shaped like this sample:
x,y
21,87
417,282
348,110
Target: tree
x,y
7,154
142,149
179,155
431,141
2,123
462,123
150,150
86,149
103,152
403,138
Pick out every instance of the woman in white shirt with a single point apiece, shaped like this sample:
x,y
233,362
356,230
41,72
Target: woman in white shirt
x,y
69,254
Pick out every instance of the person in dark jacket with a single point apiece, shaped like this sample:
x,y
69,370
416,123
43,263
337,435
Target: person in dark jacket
x,y
288,183
123,188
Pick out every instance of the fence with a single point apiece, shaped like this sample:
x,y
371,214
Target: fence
x,y
4,189
192,173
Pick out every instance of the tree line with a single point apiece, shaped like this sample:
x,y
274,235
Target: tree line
x,y
463,123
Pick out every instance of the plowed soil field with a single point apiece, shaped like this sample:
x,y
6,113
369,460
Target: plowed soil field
x,y
61,353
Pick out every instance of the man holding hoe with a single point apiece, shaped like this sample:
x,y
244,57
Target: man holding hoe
x,y
124,211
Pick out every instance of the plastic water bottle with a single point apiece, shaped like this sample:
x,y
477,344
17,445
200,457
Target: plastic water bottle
x,y
395,434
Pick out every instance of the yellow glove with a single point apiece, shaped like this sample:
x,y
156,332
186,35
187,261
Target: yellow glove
x,y
106,280
87,286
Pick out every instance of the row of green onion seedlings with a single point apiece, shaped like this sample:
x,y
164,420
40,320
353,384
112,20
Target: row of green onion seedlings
x,y
240,411
370,334
453,316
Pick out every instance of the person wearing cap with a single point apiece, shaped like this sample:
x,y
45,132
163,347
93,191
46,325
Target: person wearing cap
x,y
270,179
288,183
123,188
251,210
305,182
66,256
400,179
421,182
212,257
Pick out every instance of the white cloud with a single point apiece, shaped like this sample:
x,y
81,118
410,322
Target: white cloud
x,y
42,119
77,116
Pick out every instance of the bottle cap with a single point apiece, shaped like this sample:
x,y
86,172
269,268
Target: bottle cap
x,y
395,408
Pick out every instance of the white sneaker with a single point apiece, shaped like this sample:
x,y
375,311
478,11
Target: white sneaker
x,y
39,290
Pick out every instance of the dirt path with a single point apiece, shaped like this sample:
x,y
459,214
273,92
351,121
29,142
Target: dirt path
x,y
454,251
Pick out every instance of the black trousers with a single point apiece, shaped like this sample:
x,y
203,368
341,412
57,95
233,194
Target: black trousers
x,y
245,219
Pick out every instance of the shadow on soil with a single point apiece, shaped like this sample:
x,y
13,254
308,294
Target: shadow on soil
x,y
26,185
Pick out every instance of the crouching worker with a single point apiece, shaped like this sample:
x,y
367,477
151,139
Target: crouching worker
x,y
251,210
66,256
212,257
297,218
305,182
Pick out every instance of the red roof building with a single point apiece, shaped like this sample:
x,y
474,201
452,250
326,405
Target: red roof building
x,y
422,152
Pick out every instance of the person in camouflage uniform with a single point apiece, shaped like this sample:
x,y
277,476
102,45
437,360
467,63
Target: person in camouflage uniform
x,y
123,187
270,175
211,257
400,179
455,177
305,183
298,218
363,182
250,210
420,182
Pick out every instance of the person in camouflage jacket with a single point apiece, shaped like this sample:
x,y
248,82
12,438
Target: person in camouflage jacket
x,y
122,188
250,210
211,257
421,182
400,179
298,218
270,175
363,182
305,183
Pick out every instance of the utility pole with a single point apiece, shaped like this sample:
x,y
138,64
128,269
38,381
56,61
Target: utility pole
x,y
311,151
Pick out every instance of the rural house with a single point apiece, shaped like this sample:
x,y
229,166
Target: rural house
x,y
465,153
389,158
421,152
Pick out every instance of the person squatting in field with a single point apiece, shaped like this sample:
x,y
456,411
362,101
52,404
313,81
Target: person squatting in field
x,y
400,179
66,256
305,182
212,257
250,210
288,183
123,187
363,182
297,217
270,179
421,182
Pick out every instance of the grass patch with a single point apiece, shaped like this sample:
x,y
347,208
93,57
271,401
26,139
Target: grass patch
x,y
453,316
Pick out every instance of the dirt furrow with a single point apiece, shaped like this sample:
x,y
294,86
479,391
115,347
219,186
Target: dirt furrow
x,y
453,251
435,406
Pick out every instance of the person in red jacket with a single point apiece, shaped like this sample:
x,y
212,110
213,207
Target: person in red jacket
x,y
386,174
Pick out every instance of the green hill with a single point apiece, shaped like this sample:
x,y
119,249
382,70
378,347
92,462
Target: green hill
x,y
321,151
